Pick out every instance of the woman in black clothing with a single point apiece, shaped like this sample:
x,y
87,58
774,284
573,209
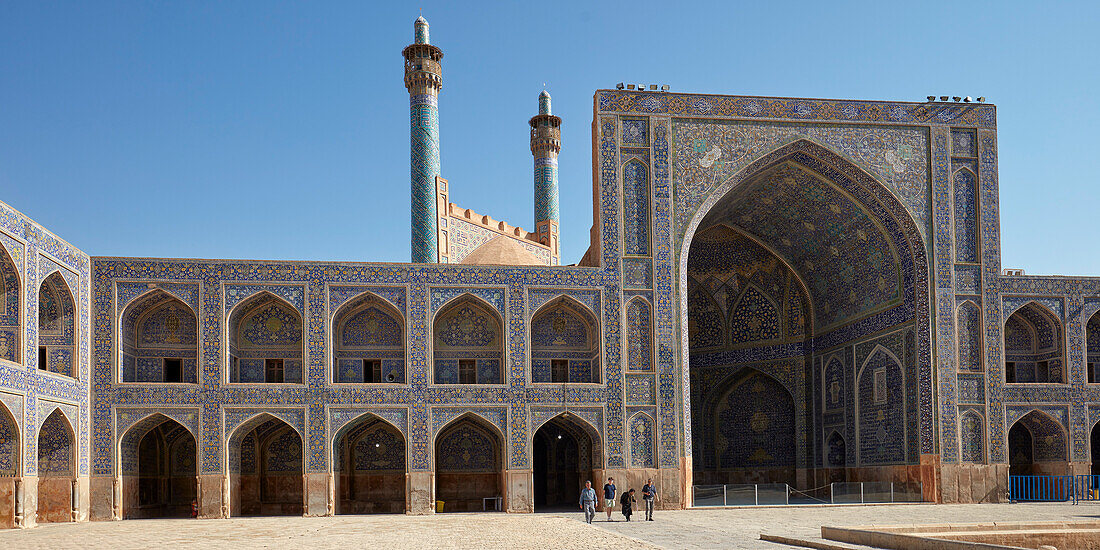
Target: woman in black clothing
x,y
627,501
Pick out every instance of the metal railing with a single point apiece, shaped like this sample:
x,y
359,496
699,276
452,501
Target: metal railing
x,y
1088,487
773,494
1042,488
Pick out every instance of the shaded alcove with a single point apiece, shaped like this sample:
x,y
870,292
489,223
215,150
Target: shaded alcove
x,y
10,298
9,465
368,342
56,469
1094,440
369,461
564,343
565,455
56,326
468,464
159,340
1034,346
1037,445
265,468
468,343
159,469
265,341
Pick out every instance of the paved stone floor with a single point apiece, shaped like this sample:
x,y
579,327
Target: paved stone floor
x,y
689,529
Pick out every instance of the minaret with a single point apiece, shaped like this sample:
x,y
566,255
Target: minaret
x,y
423,79
545,145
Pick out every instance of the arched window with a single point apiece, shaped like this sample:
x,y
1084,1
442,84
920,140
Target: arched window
x,y
159,340
564,343
468,343
265,341
368,342
56,326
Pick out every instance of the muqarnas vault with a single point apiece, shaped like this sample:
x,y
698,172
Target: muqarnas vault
x,y
778,290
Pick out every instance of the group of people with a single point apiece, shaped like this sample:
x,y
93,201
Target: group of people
x,y
589,501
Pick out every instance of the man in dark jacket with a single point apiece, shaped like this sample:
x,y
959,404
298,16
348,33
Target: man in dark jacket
x,y
628,503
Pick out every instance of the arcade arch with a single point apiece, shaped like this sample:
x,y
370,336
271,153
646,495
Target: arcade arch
x,y
11,329
566,453
159,335
369,461
468,464
56,326
56,469
159,468
368,342
468,343
1034,350
265,341
565,343
266,464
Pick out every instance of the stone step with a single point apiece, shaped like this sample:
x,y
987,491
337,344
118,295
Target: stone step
x,y
809,542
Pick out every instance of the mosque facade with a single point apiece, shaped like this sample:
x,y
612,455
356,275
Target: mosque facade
x,y
777,290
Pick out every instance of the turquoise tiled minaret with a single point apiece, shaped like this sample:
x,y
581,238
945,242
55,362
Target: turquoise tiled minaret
x,y
423,79
545,145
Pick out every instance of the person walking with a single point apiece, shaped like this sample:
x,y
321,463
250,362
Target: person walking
x,y
609,496
628,501
588,501
649,494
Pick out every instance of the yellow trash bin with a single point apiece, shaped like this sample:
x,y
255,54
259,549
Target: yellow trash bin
x,y
439,506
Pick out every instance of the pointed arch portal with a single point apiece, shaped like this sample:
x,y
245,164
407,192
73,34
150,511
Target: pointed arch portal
x,y
797,269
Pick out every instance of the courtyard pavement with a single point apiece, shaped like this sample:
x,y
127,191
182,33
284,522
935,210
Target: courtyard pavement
x,y
688,529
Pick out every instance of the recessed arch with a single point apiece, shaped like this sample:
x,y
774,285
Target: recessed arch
x,y
566,452
11,439
565,342
266,467
469,461
972,437
159,338
880,403
265,335
642,430
368,341
158,465
836,450
370,458
467,344
636,200
11,311
1038,444
901,240
56,326
1092,348
752,429
57,463
1034,344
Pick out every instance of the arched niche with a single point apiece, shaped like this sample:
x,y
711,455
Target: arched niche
x,y
159,335
159,467
369,459
1092,349
11,329
639,335
753,430
56,326
968,334
468,464
266,465
368,342
880,410
566,454
635,209
1034,349
265,341
468,343
56,469
565,343
1037,444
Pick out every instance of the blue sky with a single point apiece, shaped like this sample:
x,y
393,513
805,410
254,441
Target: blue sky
x,y
279,130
